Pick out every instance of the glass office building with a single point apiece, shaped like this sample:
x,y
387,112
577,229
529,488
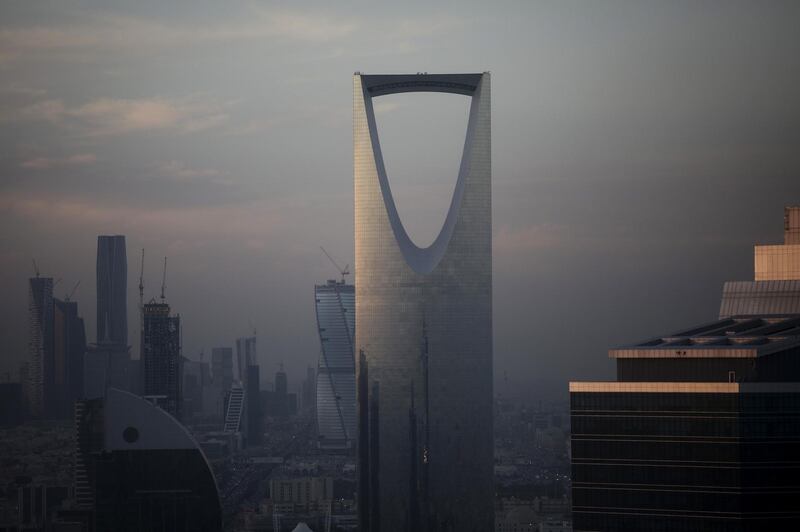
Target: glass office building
x,y
424,315
112,291
701,431
138,468
336,371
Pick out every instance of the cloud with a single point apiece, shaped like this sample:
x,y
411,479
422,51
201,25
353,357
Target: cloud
x,y
46,163
180,170
242,222
530,238
99,33
116,116
385,107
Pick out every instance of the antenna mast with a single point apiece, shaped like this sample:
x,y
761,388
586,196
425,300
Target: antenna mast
x,y
141,284
344,271
164,280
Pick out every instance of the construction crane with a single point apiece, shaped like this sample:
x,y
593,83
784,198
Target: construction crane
x,y
164,280
344,271
72,292
141,284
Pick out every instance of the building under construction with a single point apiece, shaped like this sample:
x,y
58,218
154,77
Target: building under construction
x,y
161,352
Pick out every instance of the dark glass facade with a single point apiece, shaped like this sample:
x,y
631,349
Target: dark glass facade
x,y
686,461
112,286
335,384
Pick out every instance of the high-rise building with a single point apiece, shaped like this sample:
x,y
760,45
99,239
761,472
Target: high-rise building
x,y
138,468
252,390
222,367
424,325
700,431
222,380
336,371
309,391
246,355
40,345
69,346
281,382
107,363
112,290
162,357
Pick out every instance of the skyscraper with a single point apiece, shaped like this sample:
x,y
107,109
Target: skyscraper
x,y
69,347
246,355
424,320
40,344
112,290
336,371
162,357
700,431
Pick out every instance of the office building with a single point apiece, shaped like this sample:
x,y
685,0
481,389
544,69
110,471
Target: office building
x,y
69,346
278,400
162,357
424,326
701,429
138,468
252,390
246,355
107,366
336,371
221,380
112,290
40,345
11,405
309,390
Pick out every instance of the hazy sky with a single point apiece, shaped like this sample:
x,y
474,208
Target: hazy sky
x,y
639,150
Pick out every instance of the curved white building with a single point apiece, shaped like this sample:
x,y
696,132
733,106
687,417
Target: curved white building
x,y
424,332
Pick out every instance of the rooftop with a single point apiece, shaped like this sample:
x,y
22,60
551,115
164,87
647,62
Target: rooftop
x,y
734,337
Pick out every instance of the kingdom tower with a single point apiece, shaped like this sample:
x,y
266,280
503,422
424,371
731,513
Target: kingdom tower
x,y
424,335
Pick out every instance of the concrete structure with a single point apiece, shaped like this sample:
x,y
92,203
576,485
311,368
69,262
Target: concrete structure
x,y
425,330
700,431
112,290
781,262
336,371
40,344
162,357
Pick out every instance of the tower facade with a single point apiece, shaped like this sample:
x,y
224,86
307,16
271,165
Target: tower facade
x,y
40,344
336,371
424,320
112,284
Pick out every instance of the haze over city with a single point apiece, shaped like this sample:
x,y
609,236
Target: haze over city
x,y
639,150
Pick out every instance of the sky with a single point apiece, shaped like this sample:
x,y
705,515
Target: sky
x,y
640,149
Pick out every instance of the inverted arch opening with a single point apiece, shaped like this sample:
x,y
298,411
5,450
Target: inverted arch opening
x,y
422,140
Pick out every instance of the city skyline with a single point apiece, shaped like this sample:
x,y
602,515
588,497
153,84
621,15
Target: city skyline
x,y
630,139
